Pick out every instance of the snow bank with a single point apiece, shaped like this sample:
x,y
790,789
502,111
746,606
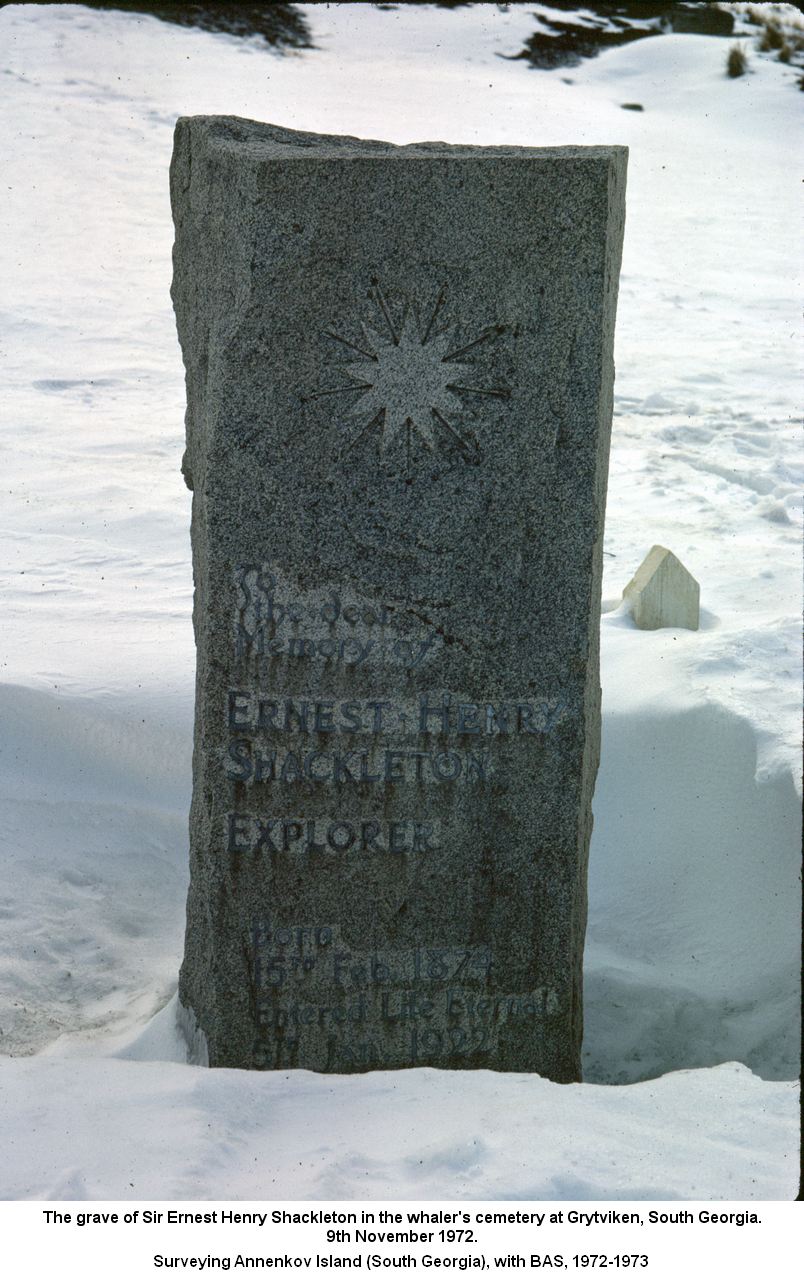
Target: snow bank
x,y
98,1129
94,852
694,925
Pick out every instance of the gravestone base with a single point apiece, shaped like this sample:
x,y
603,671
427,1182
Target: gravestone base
x,y
399,385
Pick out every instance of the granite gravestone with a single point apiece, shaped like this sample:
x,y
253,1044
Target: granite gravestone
x,y
399,382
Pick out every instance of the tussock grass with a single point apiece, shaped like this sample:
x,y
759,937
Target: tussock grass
x,y
772,37
736,62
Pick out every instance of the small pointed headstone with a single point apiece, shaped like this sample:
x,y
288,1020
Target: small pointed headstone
x,y
663,593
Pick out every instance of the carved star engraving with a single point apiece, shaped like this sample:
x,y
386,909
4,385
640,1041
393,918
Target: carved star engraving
x,y
412,377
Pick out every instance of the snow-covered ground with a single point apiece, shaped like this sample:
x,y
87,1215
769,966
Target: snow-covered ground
x,y
692,953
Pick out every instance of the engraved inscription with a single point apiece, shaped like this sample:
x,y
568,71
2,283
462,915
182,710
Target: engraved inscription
x,y
287,954
272,622
252,764
437,715
379,761
268,736
379,1006
246,833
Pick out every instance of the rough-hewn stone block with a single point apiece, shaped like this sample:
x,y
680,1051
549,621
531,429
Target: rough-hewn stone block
x,y
399,377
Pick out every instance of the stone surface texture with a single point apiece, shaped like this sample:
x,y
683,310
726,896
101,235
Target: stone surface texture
x,y
399,385
663,593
